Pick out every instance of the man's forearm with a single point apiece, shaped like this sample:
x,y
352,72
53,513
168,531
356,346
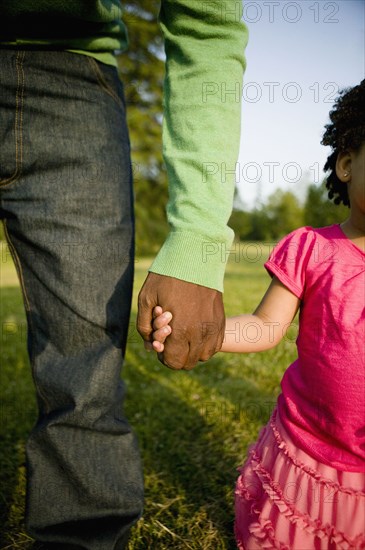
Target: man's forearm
x,y
205,44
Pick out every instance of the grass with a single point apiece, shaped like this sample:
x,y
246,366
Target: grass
x,y
193,427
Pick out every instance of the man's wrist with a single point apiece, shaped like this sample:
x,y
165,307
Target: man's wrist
x,y
193,259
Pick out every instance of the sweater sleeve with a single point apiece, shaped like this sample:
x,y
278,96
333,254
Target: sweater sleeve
x,y
204,44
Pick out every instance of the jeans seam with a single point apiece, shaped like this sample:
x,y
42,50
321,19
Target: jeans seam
x,y
19,270
18,124
102,82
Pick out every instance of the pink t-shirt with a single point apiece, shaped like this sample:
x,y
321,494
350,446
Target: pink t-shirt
x,y
322,404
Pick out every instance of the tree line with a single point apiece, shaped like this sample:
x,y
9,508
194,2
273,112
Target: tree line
x,y
283,212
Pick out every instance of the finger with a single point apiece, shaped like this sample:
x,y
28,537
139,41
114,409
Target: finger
x,y
144,324
175,352
193,356
194,351
157,346
144,316
157,310
161,334
147,346
211,343
162,320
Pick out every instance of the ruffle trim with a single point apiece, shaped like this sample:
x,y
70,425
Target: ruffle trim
x,y
262,530
326,482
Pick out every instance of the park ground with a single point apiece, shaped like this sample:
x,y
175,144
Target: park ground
x,y
193,427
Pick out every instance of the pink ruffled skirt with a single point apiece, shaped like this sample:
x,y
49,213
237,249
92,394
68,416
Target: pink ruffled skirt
x,y
285,499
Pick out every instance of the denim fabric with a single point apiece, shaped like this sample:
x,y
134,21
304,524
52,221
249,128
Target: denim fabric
x,y
67,204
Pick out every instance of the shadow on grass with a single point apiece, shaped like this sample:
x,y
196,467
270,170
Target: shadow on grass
x,y
193,430
17,416
192,443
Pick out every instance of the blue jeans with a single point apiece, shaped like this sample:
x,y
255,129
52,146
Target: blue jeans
x,y
67,205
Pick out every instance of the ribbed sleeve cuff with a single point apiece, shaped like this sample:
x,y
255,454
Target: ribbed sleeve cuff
x,y
194,259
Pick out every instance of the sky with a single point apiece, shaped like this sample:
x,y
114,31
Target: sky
x,y
299,55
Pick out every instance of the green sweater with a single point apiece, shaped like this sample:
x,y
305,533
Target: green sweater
x,y
204,43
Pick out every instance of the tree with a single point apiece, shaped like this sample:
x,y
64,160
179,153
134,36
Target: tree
x,y
141,70
241,223
319,211
281,214
284,213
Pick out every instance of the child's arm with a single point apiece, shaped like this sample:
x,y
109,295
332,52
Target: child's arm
x,y
246,333
266,326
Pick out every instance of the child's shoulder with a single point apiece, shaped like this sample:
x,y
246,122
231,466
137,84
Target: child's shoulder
x,y
328,232
306,237
305,244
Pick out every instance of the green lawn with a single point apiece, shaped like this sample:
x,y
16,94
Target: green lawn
x,y
193,427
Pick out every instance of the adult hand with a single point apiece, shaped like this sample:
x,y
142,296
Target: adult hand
x,y
198,319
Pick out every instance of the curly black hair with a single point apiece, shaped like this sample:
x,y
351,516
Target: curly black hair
x,y
346,132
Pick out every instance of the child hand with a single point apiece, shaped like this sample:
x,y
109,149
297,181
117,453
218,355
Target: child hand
x,y
161,328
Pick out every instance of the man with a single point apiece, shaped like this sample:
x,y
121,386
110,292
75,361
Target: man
x,y
67,206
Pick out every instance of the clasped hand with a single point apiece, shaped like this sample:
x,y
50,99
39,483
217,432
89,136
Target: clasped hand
x,y
195,328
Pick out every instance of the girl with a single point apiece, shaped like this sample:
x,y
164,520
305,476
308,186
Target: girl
x,y
302,486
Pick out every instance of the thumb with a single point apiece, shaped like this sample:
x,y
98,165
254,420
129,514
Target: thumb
x,y
144,328
145,317
144,323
